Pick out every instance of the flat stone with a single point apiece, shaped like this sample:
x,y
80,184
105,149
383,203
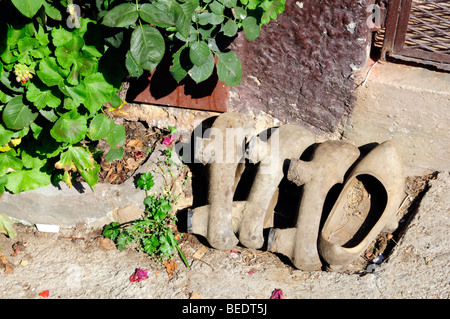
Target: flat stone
x,y
128,213
407,105
66,207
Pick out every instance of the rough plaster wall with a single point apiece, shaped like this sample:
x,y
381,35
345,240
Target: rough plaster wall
x,y
300,69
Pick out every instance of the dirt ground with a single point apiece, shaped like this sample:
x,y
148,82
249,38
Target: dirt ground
x,y
74,264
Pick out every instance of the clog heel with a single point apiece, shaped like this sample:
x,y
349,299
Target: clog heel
x,y
367,205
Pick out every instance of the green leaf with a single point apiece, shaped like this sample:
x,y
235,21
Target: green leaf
x,y
216,7
16,115
42,36
91,175
150,244
146,182
114,154
42,97
184,22
147,47
203,72
229,68
240,12
271,9
251,28
164,13
230,28
98,91
123,15
69,52
61,36
3,181
75,95
70,128
205,18
111,230
75,158
7,161
26,180
50,115
231,3
52,12
115,101
49,72
122,240
36,130
199,53
6,226
165,247
28,7
5,136
30,161
27,43
100,127
116,136
181,64
134,70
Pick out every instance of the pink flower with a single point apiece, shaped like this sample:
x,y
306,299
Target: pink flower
x,y
168,140
277,294
139,275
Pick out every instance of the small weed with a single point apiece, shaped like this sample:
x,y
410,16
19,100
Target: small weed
x,y
153,233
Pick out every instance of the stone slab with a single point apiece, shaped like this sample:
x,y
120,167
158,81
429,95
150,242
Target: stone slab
x,y
409,105
66,207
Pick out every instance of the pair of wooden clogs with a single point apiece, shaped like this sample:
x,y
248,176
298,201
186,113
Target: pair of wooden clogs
x,y
367,204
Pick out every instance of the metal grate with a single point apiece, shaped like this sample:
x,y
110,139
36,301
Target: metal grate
x,y
429,26
418,31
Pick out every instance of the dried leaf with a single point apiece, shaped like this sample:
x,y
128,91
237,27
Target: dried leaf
x,y
120,111
195,295
105,166
135,144
9,267
171,266
132,164
119,168
113,178
107,243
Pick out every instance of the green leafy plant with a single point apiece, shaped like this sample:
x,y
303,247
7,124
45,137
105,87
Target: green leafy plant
x,y
193,33
152,233
6,226
52,91
59,66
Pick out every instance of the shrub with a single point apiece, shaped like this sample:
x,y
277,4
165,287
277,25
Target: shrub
x,y
61,62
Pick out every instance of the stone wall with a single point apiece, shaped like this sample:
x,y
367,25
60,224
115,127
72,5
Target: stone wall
x,y
300,70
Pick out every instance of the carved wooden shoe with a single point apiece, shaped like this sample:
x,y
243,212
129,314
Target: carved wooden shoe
x,y
331,160
285,143
367,205
224,154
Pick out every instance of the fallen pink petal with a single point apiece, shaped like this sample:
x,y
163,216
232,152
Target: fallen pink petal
x,y
168,140
277,294
252,271
139,275
138,155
